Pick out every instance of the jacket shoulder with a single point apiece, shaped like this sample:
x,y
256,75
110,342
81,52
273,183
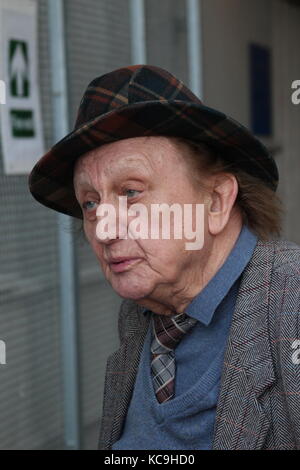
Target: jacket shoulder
x,y
286,258
284,320
130,318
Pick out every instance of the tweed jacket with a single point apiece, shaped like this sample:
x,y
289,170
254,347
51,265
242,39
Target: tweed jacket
x,y
259,401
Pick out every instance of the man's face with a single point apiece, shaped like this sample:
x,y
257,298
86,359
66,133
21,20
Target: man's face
x,y
148,170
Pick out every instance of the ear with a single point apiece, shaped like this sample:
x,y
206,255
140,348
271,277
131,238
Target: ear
x,y
223,196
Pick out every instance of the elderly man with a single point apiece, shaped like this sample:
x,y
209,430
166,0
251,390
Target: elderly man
x,y
209,335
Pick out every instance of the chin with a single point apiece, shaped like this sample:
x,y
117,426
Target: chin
x,y
129,289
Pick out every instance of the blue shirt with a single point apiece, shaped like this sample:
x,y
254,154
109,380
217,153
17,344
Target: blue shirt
x,y
187,420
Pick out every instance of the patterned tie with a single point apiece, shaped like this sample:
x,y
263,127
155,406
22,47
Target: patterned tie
x,y
168,332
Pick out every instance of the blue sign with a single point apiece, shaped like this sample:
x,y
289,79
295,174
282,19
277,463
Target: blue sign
x,y
260,90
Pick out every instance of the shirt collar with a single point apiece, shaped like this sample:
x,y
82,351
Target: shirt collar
x,y
204,305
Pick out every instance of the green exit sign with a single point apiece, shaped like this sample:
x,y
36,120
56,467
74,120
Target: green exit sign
x,y
22,123
18,68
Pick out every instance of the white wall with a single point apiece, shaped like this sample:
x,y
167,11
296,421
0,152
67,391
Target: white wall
x,y
286,46
228,28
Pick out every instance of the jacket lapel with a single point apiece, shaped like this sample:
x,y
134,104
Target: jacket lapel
x,y
121,372
248,370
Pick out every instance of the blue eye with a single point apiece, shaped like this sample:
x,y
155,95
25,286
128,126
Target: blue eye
x,y
129,192
89,205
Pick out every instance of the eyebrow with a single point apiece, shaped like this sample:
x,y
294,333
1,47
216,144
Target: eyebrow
x,y
83,184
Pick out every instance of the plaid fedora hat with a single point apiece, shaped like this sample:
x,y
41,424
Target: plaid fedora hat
x,y
142,100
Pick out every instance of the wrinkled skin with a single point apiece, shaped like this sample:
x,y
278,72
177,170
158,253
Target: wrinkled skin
x,y
163,275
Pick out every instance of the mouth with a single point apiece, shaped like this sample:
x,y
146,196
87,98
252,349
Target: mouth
x,y
119,265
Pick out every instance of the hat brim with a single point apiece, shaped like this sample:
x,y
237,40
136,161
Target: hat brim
x,y
51,180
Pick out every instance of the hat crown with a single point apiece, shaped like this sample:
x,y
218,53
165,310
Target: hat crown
x,y
130,85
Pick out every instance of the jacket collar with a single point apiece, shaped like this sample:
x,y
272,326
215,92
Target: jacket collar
x,y
248,368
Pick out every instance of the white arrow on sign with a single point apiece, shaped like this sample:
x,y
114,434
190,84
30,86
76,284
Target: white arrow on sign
x,y
19,70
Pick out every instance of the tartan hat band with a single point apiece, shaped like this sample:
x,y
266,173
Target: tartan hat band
x,y
137,101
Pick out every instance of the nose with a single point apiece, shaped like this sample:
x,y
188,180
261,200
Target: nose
x,y
111,220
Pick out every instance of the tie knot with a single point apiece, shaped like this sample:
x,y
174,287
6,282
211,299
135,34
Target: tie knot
x,y
168,331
